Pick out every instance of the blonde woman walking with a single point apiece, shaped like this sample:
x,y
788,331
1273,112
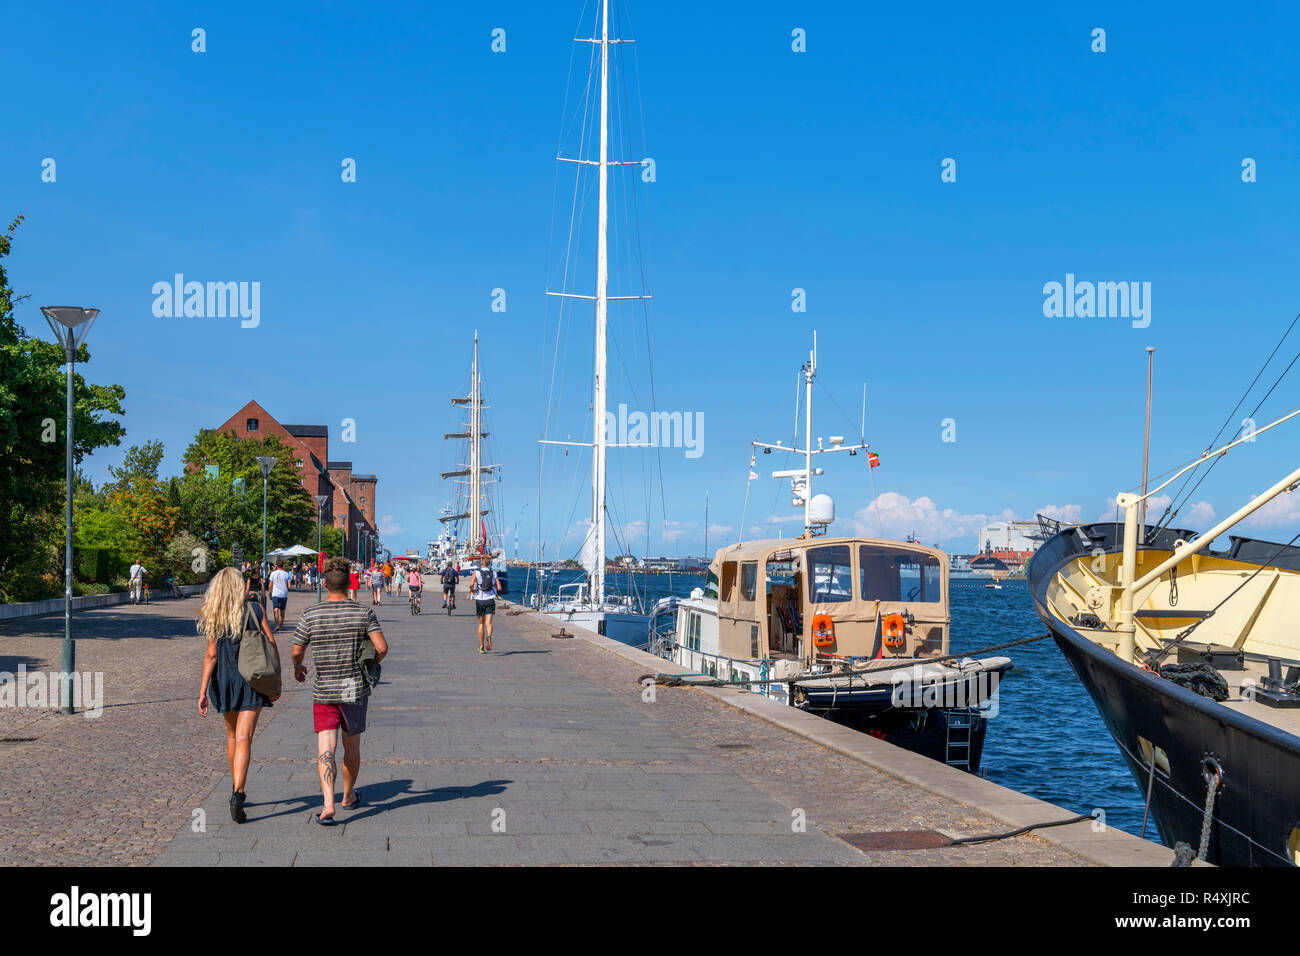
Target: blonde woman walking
x,y
222,619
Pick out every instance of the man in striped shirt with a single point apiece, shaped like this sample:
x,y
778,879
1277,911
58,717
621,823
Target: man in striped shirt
x,y
337,629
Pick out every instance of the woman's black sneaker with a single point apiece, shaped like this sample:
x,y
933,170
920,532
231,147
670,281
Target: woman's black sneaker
x,y
237,807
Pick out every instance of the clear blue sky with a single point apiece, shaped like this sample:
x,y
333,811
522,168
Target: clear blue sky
x,y
775,170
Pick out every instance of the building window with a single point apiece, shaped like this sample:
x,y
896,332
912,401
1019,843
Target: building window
x,y
298,462
251,425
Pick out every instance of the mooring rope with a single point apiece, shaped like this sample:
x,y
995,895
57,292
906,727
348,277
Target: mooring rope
x,y
683,680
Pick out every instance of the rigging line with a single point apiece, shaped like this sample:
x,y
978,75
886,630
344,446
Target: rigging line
x,y
641,259
875,499
574,217
559,142
771,515
638,257
827,392
1254,411
740,536
798,396
1204,457
1154,656
1231,415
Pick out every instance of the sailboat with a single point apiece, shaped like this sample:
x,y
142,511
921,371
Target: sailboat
x,y
477,476
591,604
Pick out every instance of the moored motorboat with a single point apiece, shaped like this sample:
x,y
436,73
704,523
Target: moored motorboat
x,y
855,629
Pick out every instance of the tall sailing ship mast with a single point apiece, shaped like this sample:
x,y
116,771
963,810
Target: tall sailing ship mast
x,y
472,471
590,605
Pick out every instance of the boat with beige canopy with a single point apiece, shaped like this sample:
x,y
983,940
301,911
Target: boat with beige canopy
x,y
852,628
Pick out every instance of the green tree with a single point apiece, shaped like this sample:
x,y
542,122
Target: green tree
x,y
290,511
32,385
140,461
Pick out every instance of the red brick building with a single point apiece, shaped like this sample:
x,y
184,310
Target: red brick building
x,y
350,498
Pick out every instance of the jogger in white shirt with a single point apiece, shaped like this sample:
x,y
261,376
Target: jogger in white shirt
x,y
279,592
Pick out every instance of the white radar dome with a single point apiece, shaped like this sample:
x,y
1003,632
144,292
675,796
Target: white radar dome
x,y
821,510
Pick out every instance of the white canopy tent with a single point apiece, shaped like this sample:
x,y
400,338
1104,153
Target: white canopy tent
x,y
297,551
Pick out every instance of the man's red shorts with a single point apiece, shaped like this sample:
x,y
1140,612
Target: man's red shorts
x,y
351,718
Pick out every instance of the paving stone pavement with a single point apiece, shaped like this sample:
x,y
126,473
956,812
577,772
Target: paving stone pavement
x,y
110,789
543,752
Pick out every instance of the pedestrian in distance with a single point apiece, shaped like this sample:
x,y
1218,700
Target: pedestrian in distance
x,y
222,620
279,592
137,574
414,584
256,586
483,588
354,581
449,579
376,576
338,630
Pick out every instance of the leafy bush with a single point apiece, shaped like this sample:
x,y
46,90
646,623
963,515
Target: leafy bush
x,y
97,564
180,559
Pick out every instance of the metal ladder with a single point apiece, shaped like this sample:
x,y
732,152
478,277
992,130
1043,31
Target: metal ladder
x,y
960,729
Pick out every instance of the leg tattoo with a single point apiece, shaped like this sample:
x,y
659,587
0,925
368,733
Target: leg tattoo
x,y
327,766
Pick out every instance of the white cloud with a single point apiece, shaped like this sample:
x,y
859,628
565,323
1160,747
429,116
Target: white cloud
x,y
894,515
1281,511
388,526
1199,516
1062,512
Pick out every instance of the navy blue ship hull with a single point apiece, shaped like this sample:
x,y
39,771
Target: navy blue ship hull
x,y
1258,801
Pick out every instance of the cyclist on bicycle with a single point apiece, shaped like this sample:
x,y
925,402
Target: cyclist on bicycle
x,y
449,578
413,584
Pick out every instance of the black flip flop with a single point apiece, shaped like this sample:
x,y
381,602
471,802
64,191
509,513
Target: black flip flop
x,y
326,822
353,805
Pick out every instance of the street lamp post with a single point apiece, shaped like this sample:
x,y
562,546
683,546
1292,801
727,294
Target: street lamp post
x,y
361,527
264,462
320,510
70,325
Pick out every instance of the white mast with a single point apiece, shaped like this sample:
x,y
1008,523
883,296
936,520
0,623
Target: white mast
x,y
809,373
602,302
475,484
801,478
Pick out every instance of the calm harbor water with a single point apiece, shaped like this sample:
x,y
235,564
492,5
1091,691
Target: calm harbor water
x,y
1047,740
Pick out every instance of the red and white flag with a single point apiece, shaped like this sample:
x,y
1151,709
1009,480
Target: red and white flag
x,y
873,459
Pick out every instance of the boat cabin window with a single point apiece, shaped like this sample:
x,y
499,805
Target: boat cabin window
x,y
896,574
729,582
711,585
748,580
830,577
